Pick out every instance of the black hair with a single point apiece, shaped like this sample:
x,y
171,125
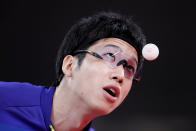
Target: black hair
x,y
101,25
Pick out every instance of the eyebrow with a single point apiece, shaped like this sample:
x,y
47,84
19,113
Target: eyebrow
x,y
134,59
110,45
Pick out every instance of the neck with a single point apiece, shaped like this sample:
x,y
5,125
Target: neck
x,y
68,111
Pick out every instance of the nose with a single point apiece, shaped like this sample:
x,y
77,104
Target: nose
x,y
118,74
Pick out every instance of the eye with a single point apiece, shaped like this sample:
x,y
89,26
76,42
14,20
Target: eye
x,y
130,68
129,71
109,56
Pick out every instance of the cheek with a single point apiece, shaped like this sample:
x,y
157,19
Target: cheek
x,y
126,89
91,74
94,70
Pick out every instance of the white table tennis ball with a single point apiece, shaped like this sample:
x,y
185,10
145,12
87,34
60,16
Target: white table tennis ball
x,y
150,51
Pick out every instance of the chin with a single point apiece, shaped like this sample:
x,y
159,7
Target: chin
x,y
101,107
107,112
103,110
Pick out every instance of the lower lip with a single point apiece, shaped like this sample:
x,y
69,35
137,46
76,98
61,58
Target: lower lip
x,y
109,97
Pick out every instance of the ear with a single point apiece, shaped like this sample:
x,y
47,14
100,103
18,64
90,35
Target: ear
x,y
67,65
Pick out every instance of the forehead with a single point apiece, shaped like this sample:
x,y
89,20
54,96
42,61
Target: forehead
x,y
116,43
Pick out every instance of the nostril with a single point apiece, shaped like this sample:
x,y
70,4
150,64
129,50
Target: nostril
x,y
120,81
114,78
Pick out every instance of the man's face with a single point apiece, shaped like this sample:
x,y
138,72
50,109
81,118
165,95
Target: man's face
x,y
100,83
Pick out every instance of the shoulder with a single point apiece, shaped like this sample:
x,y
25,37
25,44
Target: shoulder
x,y
19,94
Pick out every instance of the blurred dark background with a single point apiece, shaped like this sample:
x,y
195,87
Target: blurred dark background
x,y
164,100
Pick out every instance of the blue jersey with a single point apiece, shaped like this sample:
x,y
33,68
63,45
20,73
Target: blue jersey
x,y
24,107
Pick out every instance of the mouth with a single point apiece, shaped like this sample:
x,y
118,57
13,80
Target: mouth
x,y
112,91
